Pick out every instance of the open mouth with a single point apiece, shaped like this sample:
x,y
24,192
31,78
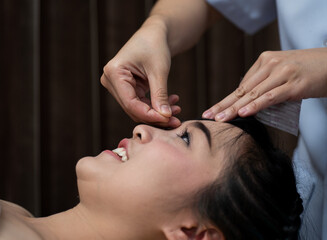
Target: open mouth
x,y
121,153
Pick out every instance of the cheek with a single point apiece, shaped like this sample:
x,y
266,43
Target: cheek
x,y
170,170
182,173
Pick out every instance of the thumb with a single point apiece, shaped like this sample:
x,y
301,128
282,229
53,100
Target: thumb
x,y
159,96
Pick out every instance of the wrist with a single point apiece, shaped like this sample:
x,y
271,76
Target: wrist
x,y
158,25
158,21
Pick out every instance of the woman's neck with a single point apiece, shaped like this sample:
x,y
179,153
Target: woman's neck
x,y
71,224
79,223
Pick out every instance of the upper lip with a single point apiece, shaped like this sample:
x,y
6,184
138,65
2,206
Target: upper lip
x,y
124,144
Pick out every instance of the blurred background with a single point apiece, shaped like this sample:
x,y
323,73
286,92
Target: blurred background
x,y
53,109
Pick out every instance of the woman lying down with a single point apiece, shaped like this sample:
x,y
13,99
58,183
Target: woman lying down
x,y
203,180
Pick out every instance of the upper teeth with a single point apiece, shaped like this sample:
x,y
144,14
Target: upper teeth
x,y
121,152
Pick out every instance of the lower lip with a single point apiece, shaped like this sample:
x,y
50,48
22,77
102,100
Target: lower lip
x,y
112,154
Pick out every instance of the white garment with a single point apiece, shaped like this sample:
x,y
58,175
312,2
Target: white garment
x,y
302,25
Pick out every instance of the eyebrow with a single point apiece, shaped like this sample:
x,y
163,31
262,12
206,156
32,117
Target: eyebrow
x,y
204,129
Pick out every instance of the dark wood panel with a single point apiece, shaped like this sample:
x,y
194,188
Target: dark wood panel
x,y
66,99
17,111
225,60
182,80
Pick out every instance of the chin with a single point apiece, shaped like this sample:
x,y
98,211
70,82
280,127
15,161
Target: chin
x,y
84,169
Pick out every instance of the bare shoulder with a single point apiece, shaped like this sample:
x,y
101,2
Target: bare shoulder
x,y
12,223
14,208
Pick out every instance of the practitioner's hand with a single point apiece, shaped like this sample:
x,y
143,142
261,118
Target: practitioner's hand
x,y
142,65
274,78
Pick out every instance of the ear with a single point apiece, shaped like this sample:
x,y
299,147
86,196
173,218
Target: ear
x,y
195,234
189,228
210,234
202,234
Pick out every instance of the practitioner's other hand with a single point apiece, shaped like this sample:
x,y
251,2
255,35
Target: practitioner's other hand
x,y
274,78
142,65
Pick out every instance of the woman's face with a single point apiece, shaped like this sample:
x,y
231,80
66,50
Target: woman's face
x,y
164,168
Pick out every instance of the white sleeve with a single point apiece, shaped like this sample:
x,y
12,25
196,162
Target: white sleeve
x,y
248,15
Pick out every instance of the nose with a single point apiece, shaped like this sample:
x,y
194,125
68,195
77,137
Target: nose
x,y
143,133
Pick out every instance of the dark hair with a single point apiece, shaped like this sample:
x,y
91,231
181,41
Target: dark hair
x,y
256,196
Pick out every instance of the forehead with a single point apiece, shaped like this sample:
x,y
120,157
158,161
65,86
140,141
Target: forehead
x,y
217,129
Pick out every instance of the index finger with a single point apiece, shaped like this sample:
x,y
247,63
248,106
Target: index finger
x,y
253,79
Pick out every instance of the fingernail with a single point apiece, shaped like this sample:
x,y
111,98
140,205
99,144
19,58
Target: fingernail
x,y
243,111
207,114
165,109
220,116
